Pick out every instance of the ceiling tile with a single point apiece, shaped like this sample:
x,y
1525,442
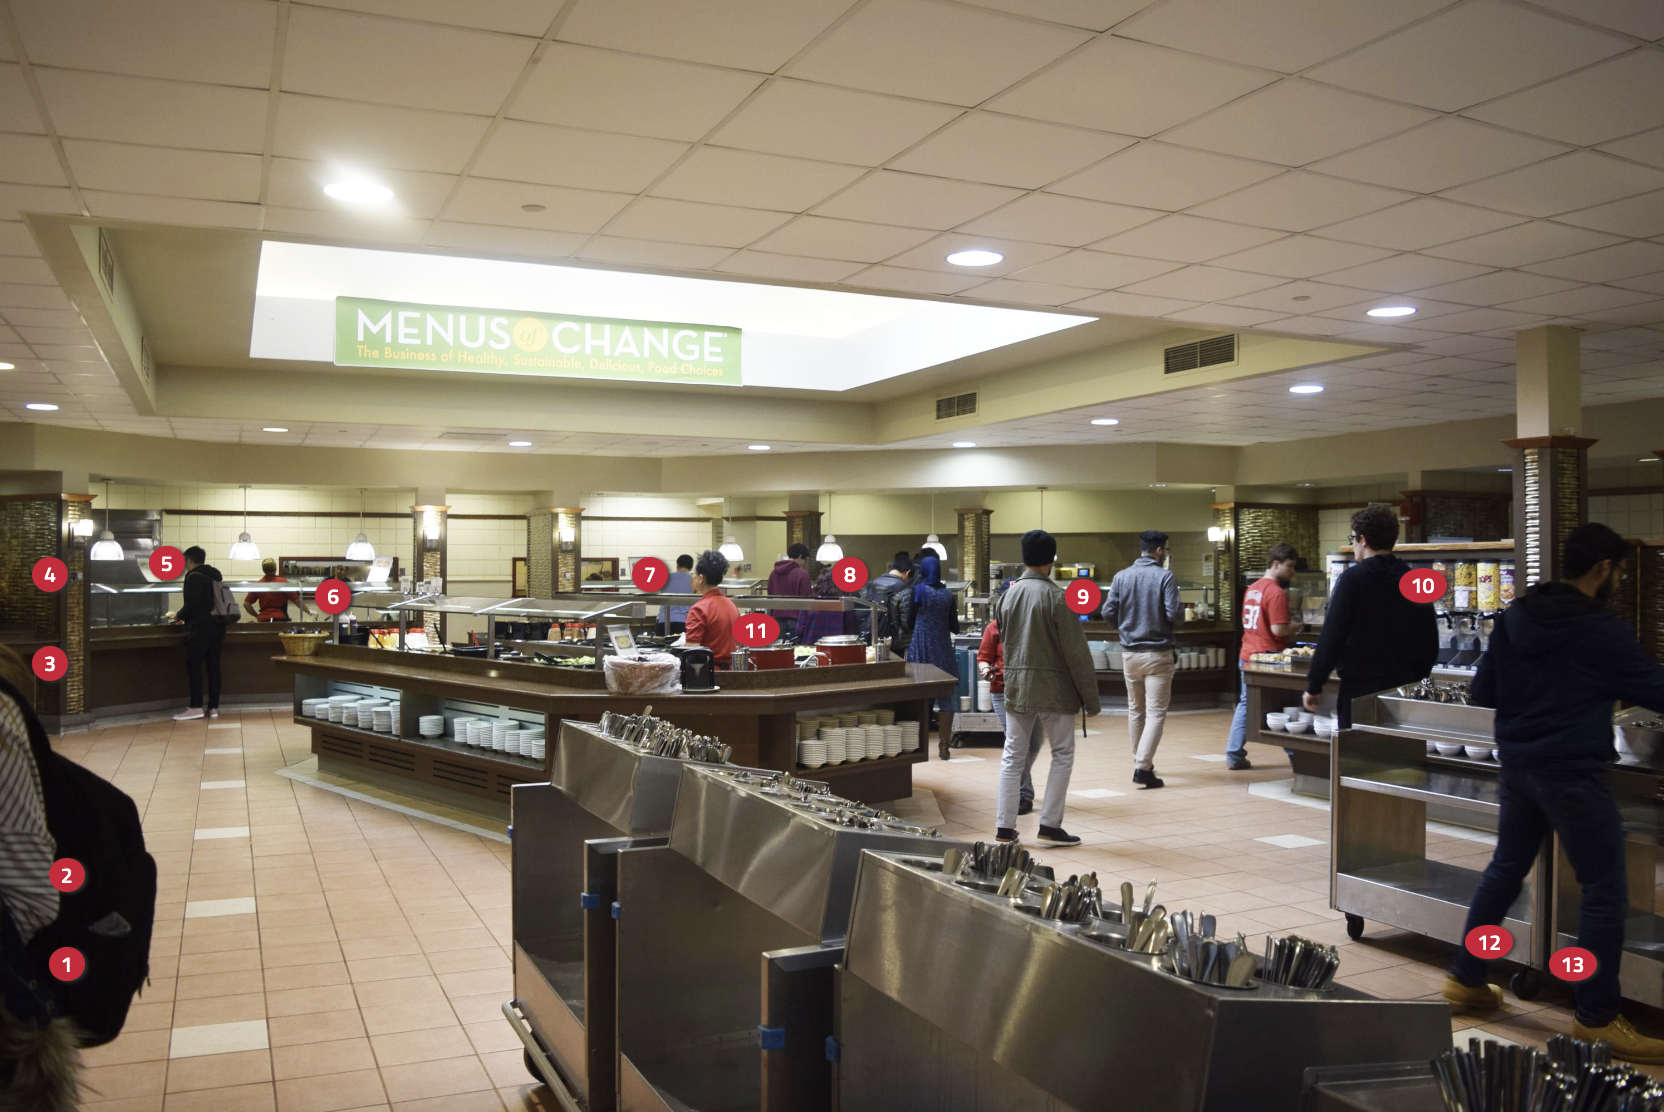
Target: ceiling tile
x,y
1226,315
933,255
1128,87
759,35
225,42
1647,147
171,210
346,133
34,297
1584,299
519,151
29,160
1524,243
1316,296
1286,35
1651,283
1026,293
837,125
1310,326
393,61
122,167
483,201
296,184
718,175
17,105
1358,311
1158,176
1299,201
1646,313
514,17
1131,304
347,226
1096,269
1480,320
598,89
1301,257
1049,218
687,222
1094,15
850,240
1494,289
888,197
1469,53
933,51
142,110
1634,216
15,200
1605,264
1423,222
1449,151
1618,97
32,272
912,281
1006,150
503,240
789,268
44,318
1204,283
1186,239
1295,122
641,252
1572,181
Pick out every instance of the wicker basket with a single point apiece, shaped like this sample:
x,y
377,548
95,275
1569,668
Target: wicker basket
x,y
302,644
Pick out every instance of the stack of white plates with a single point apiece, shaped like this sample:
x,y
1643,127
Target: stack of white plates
x,y
381,720
867,718
892,740
875,741
1100,660
338,711
909,736
431,725
499,734
807,729
366,709
836,745
811,753
320,709
851,718
461,729
309,707
886,717
539,750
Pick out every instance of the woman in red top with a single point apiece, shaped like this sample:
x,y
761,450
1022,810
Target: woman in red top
x,y
990,665
711,620
268,606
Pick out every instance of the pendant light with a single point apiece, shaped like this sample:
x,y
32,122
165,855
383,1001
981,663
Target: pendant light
x,y
730,547
361,548
829,552
933,542
106,547
245,548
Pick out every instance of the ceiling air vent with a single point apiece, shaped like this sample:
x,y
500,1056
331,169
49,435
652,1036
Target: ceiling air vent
x,y
1203,353
960,405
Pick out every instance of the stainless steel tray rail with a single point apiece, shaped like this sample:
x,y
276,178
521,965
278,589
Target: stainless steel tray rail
x,y
949,999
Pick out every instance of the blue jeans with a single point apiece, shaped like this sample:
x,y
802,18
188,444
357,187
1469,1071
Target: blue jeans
x,y
1579,807
1239,721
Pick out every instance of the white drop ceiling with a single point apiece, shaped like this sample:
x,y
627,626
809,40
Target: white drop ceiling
x,y
1499,163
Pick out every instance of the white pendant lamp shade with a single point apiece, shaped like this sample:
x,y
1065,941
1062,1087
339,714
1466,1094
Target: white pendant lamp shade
x,y
829,552
934,543
106,547
731,549
245,548
361,548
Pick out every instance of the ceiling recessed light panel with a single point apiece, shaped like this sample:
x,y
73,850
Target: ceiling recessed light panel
x,y
976,257
44,407
1306,388
760,447
791,337
8,366
519,443
1106,420
964,444
273,428
358,192
1392,311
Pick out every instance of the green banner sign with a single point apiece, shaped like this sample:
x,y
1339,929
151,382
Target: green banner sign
x,y
502,342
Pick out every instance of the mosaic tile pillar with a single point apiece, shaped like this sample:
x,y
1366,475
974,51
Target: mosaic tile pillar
x,y
428,542
77,604
33,526
803,527
540,553
568,547
976,534
1225,565
1551,498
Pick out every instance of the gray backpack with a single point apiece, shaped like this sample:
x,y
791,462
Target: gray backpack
x,y
225,605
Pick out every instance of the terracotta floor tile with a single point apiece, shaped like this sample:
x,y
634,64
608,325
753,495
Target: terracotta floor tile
x,y
306,976
206,985
130,1046
467,938
220,1009
433,1079
315,934
485,1100
330,1092
488,1037
314,1059
404,990
388,1018
315,1027
238,1098
213,1071
429,1044
460,961
400,966
134,1079
384,947
152,1103
299,1001
305,953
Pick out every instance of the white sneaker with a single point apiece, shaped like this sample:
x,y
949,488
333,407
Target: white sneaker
x,y
213,712
188,714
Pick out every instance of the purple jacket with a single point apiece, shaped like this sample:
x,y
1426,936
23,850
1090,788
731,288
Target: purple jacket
x,y
789,581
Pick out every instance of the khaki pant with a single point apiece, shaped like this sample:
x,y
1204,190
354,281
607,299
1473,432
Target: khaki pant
x,y
1149,689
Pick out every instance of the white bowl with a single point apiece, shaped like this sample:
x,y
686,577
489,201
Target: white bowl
x,y
1276,722
1322,729
1295,712
1299,727
1478,752
1449,748
1432,749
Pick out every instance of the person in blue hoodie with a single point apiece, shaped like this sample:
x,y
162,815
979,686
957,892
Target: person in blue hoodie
x,y
1558,659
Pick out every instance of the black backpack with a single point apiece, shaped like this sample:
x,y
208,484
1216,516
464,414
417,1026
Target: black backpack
x,y
110,917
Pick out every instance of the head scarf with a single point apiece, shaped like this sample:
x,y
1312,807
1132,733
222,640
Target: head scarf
x,y
930,575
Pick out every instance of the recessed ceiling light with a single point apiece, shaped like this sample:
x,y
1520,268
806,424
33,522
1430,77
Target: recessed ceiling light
x,y
1302,297
273,428
976,257
1647,459
519,443
1392,311
1158,484
1106,420
964,444
8,366
759,447
358,191
533,208
44,407
1306,388
1508,469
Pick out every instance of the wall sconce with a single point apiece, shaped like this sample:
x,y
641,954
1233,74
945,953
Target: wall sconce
x,y
1221,540
430,525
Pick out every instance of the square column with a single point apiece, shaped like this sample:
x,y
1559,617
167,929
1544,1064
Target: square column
x,y
975,547
428,542
1551,461
803,527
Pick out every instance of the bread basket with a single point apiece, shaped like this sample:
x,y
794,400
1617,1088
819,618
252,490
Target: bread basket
x,y
302,644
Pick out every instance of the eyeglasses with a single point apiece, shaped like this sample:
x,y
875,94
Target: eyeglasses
x,y
1354,538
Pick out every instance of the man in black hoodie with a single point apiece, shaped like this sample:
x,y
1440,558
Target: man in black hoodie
x,y
204,636
1374,635
1557,660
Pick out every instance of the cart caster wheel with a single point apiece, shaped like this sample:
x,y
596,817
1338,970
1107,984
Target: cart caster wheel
x,y
1525,984
1354,926
531,1067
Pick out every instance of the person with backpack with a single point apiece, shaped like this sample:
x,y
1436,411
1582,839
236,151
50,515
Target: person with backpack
x,y
204,614
892,600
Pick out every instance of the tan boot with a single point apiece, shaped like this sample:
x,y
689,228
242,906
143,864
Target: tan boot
x,y
1627,1043
1471,998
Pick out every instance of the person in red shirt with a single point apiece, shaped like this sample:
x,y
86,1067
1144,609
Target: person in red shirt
x,y
990,665
271,606
1266,628
711,620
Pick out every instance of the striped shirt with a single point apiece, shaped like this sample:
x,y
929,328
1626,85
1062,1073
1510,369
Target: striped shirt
x,y
26,845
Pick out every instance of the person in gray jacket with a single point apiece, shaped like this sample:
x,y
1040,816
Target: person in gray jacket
x,y
1143,604
1048,680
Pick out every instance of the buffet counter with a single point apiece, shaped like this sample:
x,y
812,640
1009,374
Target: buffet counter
x,y
754,712
134,669
1199,686
1271,688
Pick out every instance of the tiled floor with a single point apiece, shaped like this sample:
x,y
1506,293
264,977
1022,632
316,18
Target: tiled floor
x,y
316,953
